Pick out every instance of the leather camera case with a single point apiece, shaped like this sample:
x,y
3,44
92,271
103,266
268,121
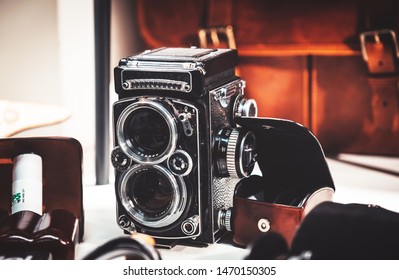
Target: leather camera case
x,y
295,178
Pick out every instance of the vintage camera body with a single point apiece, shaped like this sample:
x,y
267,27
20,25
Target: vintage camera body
x,y
178,151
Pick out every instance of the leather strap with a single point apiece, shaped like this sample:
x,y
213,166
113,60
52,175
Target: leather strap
x,y
380,52
384,103
255,218
382,128
381,56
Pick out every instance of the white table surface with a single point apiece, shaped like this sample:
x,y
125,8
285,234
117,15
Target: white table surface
x,y
353,184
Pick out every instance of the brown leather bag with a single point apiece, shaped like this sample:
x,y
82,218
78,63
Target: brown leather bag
x,y
329,65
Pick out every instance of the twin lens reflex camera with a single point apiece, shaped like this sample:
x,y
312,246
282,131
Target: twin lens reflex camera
x,y
178,152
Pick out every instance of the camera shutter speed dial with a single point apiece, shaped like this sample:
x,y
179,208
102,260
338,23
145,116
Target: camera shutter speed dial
x,y
235,152
180,163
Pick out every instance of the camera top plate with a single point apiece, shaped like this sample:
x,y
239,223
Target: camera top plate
x,y
187,70
182,54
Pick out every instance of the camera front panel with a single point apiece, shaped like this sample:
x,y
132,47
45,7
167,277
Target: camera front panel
x,y
156,158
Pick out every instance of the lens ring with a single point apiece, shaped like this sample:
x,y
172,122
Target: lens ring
x,y
172,210
137,149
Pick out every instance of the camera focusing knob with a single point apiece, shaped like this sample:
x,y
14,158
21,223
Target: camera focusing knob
x,y
231,153
225,216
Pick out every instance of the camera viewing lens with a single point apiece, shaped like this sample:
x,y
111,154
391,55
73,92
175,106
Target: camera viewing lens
x,y
147,132
152,196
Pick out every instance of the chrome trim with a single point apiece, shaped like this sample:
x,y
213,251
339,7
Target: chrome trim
x,y
193,222
159,84
225,92
376,35
154,67
245,107
317,197
157,65
264,225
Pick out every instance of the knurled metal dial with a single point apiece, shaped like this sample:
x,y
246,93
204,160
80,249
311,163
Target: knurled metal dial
x,y
231,153
227,221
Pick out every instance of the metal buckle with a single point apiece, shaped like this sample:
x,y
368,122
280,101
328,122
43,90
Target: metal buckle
x,y
380,51
377,36
220,37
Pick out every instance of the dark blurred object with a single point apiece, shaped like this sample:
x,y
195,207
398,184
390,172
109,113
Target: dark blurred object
x,y
55,234
334,231
3,216
136,247
295,178
61,226
329,65
271,246
26,255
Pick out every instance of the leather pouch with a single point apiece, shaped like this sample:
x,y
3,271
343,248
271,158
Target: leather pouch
x,y
61,226
295,178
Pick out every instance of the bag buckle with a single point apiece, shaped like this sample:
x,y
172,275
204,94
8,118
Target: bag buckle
x,y
217,37
380,51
